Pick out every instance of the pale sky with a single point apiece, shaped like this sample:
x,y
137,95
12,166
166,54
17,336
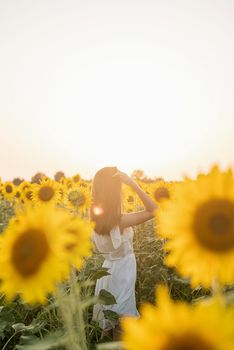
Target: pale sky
x,y
138,84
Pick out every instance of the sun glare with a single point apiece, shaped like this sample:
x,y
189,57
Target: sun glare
x,y
97,210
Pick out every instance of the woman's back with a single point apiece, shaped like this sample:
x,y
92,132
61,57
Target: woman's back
x,y
116,245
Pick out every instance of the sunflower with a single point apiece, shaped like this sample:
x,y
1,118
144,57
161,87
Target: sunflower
x,y
33,253
26,189
8,189
199,222
81,232
76,197
62,190
27,195
177,326
129,198
25,185
84,184
76,178
18,195
67,182
160,191
46,192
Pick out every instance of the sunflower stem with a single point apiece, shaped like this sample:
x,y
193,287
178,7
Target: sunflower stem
x,y
65,308
78,312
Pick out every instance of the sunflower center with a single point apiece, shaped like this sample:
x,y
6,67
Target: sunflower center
x,y
29,252
9,189
214,225
70,246
46,193
29,195
76,198
76,178
161,193
187,341
219,224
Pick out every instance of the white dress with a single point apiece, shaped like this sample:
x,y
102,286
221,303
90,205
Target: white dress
x,y
120,260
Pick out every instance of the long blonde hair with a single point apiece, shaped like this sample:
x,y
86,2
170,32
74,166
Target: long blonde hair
x,y
106,204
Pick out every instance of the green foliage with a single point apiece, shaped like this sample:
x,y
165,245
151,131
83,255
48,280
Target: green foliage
x,y
95,274
19,321
151,270
54,340
111,315
6,212
106,298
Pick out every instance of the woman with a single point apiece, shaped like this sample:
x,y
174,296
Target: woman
x,y
113,237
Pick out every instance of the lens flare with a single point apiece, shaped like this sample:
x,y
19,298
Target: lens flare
x,y
97,210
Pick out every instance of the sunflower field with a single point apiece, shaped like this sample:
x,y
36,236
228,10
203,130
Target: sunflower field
x,y
185,266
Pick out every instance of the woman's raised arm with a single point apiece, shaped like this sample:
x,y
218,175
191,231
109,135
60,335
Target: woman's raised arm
x,y
136,218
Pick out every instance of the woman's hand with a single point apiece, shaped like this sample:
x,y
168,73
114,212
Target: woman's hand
x,y
124,178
